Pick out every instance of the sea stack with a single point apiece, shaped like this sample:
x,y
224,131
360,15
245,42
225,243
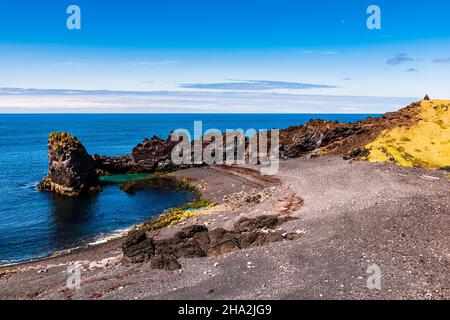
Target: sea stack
x,y
71,169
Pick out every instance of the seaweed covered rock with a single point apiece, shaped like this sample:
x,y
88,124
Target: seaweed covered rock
x,y
72,171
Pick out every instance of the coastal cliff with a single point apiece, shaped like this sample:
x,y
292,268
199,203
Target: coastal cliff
x,y
415,136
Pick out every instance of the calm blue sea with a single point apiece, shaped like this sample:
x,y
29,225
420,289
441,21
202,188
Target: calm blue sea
x,y
35,224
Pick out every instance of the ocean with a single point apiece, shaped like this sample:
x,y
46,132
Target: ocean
x,y
35,224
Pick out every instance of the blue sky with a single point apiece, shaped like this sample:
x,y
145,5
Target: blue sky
x,y
296,47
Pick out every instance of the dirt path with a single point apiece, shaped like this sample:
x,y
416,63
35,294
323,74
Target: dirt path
x,y
355,215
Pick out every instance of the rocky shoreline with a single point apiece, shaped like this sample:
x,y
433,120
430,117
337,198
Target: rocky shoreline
x,y
339,232
73,172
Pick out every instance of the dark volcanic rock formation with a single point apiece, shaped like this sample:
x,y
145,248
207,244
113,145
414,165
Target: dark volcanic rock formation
x,y
119,164
149,156
345,139
154,154
71,168
197,241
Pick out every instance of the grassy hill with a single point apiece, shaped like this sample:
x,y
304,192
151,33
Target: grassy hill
x,y
426,143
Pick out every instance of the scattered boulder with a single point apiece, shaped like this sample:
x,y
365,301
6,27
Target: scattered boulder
x,y
222,241
72,171
202,240
247,239
129,187
261,222
165,261
188,248
197,241
137,247
193,230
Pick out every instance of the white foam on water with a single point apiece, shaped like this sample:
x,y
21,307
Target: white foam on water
x,y
31,185
110,236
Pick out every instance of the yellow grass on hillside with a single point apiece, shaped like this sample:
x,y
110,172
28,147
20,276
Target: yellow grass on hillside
x,y
426,144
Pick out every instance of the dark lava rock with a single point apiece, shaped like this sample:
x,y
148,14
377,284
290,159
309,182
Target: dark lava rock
x,y
189,232
246,224
129,187
185,244
247,239
427,98
186,249
260,222
222,241
154,154
202,240
338,133
165,261
118,164
303,143
72,171
197,241
259,238
137,247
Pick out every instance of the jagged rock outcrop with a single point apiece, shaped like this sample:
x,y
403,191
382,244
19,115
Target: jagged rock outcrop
x,y
71,168
154,154
117,164
345,139
197,241
149,156
75,176
302,143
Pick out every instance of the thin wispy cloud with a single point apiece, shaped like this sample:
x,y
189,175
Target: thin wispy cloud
x,y
412,70
399,58
254,85
442,60
319,52
16,100
155,63
72,63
